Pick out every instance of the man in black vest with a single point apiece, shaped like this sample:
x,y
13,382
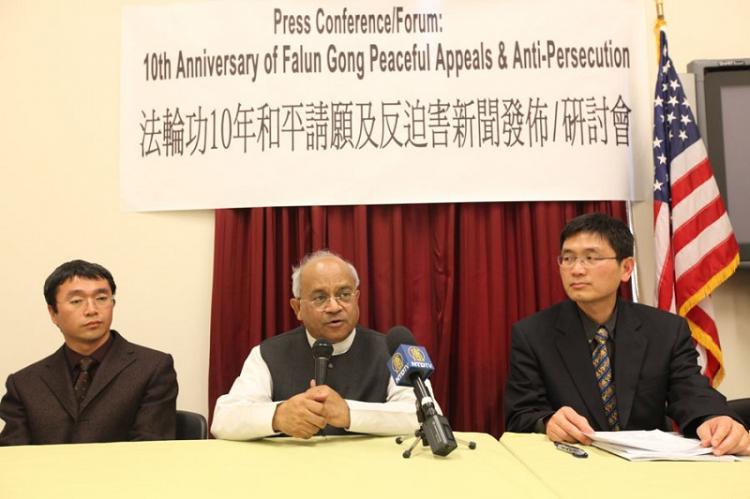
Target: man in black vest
x,y
276,393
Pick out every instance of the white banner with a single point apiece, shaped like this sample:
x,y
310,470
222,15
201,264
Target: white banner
x,y
240,104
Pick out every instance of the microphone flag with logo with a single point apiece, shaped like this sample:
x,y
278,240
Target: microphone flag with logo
x,y
410,365
408,360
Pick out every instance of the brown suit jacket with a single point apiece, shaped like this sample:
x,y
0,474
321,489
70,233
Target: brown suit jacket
x,y
132,397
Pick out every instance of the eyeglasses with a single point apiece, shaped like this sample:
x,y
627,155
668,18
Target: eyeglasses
x,y
588,261
344,297
100,301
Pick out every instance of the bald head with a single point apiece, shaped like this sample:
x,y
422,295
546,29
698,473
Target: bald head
x,y
326,296
312,258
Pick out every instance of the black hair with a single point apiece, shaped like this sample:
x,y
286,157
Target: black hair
x,y
69,270
612,230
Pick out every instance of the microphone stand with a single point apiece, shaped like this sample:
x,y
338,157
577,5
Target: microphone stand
x,y
419,435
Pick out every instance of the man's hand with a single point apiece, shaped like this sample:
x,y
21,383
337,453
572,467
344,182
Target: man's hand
x,y
335,408
725,435
566,425
300,416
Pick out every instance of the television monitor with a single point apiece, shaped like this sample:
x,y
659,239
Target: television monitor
x,y
722,88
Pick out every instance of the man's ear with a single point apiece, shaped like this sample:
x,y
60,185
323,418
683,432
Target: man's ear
x,y
295,303
627,266
52,315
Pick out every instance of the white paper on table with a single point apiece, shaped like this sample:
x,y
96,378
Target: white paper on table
x,y
654,445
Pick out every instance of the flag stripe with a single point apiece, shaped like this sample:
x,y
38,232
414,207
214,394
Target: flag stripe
x,y
692,228
685,161
698,199
697,176
661,223
664,262
699,249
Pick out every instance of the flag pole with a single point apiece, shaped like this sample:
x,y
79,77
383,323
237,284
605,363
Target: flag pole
x,y
634,275
660,22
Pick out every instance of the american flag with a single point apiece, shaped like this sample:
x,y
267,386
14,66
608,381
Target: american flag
x,y
695,246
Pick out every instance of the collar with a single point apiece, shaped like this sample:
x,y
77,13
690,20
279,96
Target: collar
x,y
590,327
338,348
98,355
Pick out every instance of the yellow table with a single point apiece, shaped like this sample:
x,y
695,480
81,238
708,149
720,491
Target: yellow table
x,y
327,467
605,476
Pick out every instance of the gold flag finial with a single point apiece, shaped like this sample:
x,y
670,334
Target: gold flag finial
x,y
660,23
660,10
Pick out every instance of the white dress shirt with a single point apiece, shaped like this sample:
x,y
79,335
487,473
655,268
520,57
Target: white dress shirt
x,y
247,411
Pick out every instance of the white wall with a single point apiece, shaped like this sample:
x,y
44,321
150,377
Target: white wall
x,y
59,195
59,199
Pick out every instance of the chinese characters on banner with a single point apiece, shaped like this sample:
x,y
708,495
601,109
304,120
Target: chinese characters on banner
x,y
338,125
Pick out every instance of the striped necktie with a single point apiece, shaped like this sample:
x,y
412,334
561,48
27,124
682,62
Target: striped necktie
x,y
603,371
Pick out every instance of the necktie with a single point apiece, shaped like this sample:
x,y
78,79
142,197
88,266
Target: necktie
x,y
83,380
603,371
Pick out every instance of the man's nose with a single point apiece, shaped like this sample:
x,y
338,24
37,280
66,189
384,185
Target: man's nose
x,y
578,267
332,305
90,307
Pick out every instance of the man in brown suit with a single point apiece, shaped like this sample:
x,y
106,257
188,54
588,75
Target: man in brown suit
x,y
97,387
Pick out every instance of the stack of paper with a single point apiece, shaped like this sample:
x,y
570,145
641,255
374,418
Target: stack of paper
x,y
654,445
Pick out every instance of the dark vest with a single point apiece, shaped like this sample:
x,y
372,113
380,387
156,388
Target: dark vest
x,y
359,374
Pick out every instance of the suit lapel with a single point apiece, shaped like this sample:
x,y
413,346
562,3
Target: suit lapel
x,y
117,359
56,375
630,347
576,354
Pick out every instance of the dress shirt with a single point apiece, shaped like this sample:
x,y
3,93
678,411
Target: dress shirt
x,y
247,411
590,328
74,358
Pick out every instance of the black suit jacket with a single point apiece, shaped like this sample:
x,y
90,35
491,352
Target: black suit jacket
x,y
132,397
656,371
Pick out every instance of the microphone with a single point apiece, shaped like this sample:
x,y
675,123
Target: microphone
x,y
322,351
410,366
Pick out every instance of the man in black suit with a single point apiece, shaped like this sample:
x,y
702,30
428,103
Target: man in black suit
x,y
646,365
97,387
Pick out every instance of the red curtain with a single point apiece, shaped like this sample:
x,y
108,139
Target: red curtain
x,y
457,275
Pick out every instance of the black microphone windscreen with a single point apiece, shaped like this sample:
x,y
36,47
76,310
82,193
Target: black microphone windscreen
x,y
322,349
397,336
